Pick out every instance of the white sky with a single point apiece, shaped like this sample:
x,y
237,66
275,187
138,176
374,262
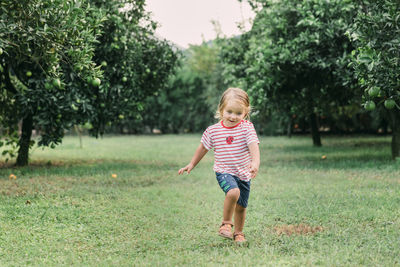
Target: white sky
x,y
187,22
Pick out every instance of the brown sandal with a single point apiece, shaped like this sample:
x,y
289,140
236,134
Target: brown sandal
x,y
225,230
239,238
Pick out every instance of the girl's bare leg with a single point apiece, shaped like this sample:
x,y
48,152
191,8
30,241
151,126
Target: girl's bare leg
x,y
240,216
230,203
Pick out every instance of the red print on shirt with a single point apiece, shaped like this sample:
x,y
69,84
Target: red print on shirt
x,y
229,140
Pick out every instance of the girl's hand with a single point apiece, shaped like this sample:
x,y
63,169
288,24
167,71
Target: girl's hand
x,y
187,168
253,168
255,159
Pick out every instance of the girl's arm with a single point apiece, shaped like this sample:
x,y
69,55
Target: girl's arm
x,y
255,159
198,155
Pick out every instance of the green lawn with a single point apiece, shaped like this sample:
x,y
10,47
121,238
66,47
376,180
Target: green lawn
x,y
67,209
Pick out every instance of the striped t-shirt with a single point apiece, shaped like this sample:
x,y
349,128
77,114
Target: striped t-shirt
x,y
231,147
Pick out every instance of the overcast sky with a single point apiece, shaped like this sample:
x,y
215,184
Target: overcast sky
x,y
187,22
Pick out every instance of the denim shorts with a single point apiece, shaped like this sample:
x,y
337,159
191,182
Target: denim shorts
x,y
228,181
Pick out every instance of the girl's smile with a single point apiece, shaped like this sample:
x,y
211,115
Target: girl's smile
x,y
233,113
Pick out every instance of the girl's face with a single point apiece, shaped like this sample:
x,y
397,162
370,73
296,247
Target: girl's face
x,y
233,113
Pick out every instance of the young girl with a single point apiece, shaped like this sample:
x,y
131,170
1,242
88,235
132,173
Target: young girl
x,y
236,155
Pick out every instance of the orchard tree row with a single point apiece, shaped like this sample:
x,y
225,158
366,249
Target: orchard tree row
x,y
71,62
311,58
337,104
66,63
301,64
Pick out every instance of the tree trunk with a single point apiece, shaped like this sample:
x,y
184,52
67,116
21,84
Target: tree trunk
x,y
395,114
314,130
289,127
24,141
303,126
79,133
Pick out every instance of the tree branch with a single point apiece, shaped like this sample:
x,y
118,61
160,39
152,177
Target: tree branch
x,y
9,85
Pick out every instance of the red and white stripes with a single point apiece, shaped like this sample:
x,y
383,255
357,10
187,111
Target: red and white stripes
x,y
230,144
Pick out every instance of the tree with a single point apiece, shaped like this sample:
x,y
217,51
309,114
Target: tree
x,y
376,35
135,62
46,50
57,78
189,101
181,106
234,66
297,58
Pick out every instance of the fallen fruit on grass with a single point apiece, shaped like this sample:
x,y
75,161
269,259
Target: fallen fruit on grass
x,y
12,177
323,157
113,175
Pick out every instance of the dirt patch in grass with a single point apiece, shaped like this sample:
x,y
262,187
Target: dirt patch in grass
x,y
297,229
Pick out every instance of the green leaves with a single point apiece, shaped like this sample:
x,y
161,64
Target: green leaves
x,y
138,64
8,143
300,49
376,59
48,50
52,55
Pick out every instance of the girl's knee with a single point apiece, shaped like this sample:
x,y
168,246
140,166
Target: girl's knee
x,y
234,193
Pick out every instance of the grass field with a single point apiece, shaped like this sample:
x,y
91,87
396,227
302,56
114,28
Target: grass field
x,y
67,209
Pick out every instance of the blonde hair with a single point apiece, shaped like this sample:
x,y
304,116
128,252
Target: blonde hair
x,y
234,94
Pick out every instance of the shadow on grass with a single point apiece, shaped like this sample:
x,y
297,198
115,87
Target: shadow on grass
x,y
220,244
342,162
224,243
338,154
341,146
85,166
43,178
